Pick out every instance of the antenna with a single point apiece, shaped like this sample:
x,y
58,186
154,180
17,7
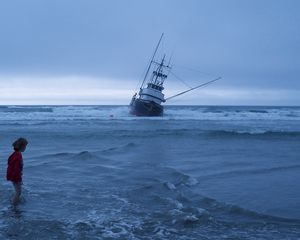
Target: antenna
x,y
170,59
152,60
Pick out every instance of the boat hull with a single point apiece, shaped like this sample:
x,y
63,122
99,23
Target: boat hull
x,y
140,107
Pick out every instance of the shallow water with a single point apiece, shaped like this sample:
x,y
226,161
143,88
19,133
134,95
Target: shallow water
x,y
94,172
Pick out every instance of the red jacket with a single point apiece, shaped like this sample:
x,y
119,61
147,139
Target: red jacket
x,y
14,167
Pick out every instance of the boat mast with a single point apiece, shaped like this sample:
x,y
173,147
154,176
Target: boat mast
x,y
158,73
152,60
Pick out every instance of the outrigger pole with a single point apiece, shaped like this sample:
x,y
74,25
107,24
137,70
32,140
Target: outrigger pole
x,y
152,59
202,85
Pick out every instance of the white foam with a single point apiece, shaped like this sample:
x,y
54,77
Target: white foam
x,y
175,212
202,212
177,204
170,186
68,113
191,181
190,218
201,113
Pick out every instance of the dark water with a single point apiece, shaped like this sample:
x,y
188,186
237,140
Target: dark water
x,y
95,172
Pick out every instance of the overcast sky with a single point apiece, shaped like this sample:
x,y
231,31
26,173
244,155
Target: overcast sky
x,y
95,52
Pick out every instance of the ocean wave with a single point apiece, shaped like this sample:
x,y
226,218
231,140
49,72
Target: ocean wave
x,y
182,208
202,132
54,155
25,109
227,210
165,207
258,111
119,148
243,172
84,155
174,191
232,113
115,113
253,133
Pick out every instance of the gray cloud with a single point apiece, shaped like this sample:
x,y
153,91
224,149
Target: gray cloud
x,y
252,44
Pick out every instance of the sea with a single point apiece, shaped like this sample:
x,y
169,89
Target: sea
x,y
198,172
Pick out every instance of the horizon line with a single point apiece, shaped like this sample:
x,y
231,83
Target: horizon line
x,y
124,105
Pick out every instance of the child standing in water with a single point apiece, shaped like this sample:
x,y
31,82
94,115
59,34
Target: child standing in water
x,y
15,167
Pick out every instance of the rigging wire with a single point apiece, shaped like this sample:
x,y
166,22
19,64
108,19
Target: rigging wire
x,y
141,79
194,70
180,79
199,86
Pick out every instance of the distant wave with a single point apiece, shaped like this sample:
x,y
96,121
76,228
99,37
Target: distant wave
x,y
253,133
258,111
119,148
209,133
251,171
25,109
233,113
85,155
114,113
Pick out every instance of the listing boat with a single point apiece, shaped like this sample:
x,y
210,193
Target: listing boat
x,y
150,96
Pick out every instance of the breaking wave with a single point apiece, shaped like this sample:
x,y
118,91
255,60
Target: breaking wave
x,y
42,114
252,171
26,109
254,133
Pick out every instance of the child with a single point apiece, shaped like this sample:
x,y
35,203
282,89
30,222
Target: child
x,y
15,167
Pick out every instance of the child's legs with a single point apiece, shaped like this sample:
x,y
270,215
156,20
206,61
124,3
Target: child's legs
x,y
18,189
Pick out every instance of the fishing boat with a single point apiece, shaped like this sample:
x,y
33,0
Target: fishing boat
x,y
148,101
